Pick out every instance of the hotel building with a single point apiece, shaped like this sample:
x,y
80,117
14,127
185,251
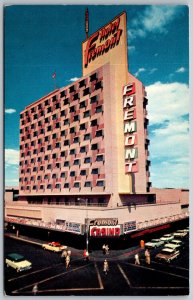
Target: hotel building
x,y
84,151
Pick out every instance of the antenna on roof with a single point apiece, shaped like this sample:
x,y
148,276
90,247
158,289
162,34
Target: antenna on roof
x,y
86,23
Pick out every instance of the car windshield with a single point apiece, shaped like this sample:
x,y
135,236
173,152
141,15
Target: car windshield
x,y
166,252
15,257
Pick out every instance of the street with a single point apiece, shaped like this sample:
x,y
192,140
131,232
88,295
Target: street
x,y
87,278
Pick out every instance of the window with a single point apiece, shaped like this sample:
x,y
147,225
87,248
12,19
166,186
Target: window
x,y
63,154
46,176
57,145
54,176
57,105
62,113
66,185
66,164
58,186
76,162
87,184
93,77
99,158
39,177
33,143
41,187
66,101
34,187
93,99
87,137
46,157
95,171
54,98
99,133
54,155
82,104
77,184
76,96
42,131
72,109
98,85
49,147
72,173
57,165
41,168
46,120
94,146
76,139
72,129
46,102
100,183
49,167
49,186
35,117
66,143
82,149
72,89
49,109
87,160
72,151
54,117
76,118
99,109
35,151
58,125
83,173
87,114
41,113
82,83
46,139
39,123
83,126
63,175
35,133
62,94
39,141
86,91
54,136
66,121
93,123
49,128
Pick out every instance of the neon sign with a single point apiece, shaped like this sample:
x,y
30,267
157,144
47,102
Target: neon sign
x,y
102,41
130,128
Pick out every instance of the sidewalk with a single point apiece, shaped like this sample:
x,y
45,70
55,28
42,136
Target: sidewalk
x,y
94,254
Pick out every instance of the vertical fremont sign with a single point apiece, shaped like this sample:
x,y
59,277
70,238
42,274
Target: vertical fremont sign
x,y
130,128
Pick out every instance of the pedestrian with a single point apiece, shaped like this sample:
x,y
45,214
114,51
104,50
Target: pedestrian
x,y
69,252
147,257
35,289
64,254
105,267
107,249
137,262
104,249
67,262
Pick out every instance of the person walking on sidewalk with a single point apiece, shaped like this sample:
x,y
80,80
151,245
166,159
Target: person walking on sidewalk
x,y
137,262
67,262
35,289
105,267
147,257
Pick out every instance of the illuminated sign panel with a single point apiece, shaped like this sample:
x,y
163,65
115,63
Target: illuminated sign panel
x,y
130,128
105,227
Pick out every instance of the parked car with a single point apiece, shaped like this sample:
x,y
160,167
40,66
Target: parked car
x,y
167,237
154,243
54,246
17,262
177,242
180,233
167,254
172,246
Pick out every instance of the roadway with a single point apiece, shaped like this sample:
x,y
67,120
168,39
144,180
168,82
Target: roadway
x,y
87,278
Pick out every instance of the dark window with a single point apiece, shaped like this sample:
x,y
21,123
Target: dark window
x,y
98,85
57,105
76,139
58,125
35,133
46,176
82,104
58,165
76,118
63,175
49,109
72,129
87,184
49,186
72,173
54,155
66,163
83,126
63,113
99,158
49,128
86,91
93,123
39,123
72,151
76,96
41,187
99,133
49,147
66,185
93,99
49,167
76,162
77,184
99,109
82,149
46,139
62,94
46,157
66,121
87,137
58,186
94,171
54,98
82,83
93,77
94,146
54,136
72,89
87,114
72,109
35,169
87,160
63,154
46,102
66,143
34,187
46,120
83,172
54,176
42,131
100,183
57,145
66,101
41,168
54,117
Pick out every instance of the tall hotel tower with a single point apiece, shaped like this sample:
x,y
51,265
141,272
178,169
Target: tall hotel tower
x,y
84,147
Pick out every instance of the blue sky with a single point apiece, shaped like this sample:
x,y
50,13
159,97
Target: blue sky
x,y
40,40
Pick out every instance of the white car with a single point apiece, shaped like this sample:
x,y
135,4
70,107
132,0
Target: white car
x,y
172,246
180,233
17,262
154,243
167,254
54,246
167,237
